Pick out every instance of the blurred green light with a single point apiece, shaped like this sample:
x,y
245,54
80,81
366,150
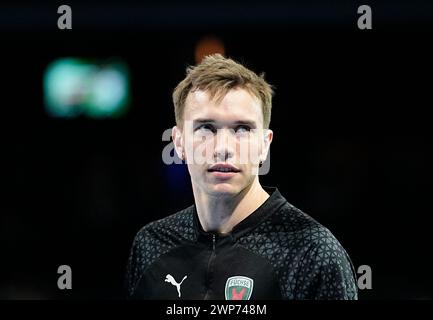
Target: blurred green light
x,y
74,87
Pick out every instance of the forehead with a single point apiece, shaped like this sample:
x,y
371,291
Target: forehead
x,y
236,105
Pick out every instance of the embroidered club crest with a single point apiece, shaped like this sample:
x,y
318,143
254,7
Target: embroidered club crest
x,y
239,288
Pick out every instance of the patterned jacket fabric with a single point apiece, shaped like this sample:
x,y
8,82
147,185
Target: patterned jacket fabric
x,y
277,252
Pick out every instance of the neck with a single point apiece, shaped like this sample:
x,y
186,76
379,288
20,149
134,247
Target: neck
x,y
220,213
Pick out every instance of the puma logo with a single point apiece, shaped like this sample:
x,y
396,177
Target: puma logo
x,y
169,278
238,295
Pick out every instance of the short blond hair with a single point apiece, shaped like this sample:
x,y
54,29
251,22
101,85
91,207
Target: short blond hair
x,y
217,75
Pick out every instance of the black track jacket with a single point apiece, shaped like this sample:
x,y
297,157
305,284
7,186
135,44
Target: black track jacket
x,y
277,252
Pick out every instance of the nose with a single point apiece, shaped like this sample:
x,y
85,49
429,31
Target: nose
x,y
224,146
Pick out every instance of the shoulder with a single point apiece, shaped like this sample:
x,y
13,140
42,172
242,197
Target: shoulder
x,y
154,240
325,268
290,234
318,242
295,236
173,228
294,228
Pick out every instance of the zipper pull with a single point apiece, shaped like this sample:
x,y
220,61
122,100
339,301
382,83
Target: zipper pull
x,y
213,242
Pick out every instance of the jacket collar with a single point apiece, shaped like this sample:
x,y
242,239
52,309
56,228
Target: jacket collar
x,y
270,206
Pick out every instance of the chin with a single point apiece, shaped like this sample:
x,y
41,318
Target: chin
x,y
224,189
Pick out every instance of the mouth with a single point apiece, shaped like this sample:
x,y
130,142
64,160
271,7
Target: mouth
x,y
223,170
223,167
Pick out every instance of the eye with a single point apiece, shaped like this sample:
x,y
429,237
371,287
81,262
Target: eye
x,y
243,129
206,127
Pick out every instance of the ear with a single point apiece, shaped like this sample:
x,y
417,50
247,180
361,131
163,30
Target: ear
x,y
268,135
176,135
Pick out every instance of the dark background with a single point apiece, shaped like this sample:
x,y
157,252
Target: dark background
x,y
352,134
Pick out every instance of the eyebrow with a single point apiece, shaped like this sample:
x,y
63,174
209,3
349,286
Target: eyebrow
x,y
245,122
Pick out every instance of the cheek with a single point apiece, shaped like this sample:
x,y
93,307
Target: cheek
x,y
203,146
201,139
200,152
248,150
196,172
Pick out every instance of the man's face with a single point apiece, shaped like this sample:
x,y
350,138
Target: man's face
x,y
223,142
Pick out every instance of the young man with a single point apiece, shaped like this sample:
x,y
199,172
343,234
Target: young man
x,y
239,240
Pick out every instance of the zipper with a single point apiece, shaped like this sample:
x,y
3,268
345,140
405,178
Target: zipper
x,y
209,265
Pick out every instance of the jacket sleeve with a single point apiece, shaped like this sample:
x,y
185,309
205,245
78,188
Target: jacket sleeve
x,y
131,271
326,271
135,264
